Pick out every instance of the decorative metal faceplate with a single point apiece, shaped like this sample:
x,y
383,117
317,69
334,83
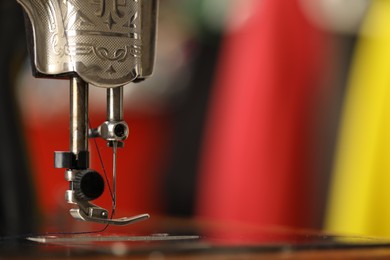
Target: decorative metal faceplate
x,y
108,43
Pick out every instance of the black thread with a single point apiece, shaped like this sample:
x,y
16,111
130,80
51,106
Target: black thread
x,y
102,165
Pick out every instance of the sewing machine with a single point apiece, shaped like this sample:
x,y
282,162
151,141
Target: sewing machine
x,y
102,43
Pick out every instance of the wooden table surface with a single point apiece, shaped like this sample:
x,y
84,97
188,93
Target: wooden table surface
x,y
166,238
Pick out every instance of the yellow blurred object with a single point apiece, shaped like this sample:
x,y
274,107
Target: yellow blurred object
x,y
360,189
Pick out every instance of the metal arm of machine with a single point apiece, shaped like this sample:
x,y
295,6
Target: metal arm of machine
x,y
103,43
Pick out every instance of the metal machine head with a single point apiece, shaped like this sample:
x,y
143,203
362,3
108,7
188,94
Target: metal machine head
x,y
106,43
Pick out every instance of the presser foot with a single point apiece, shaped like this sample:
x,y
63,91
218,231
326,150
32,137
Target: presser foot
x,y
80,215
93,213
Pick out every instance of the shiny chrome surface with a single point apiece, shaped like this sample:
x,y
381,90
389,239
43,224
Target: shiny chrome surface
x,y
88,211
78,115
108,131
81,215
108,43
115,104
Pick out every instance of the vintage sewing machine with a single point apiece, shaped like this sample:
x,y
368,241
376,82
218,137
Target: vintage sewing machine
x,y
104,43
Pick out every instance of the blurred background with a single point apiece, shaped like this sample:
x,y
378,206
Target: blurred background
x,y
269,113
